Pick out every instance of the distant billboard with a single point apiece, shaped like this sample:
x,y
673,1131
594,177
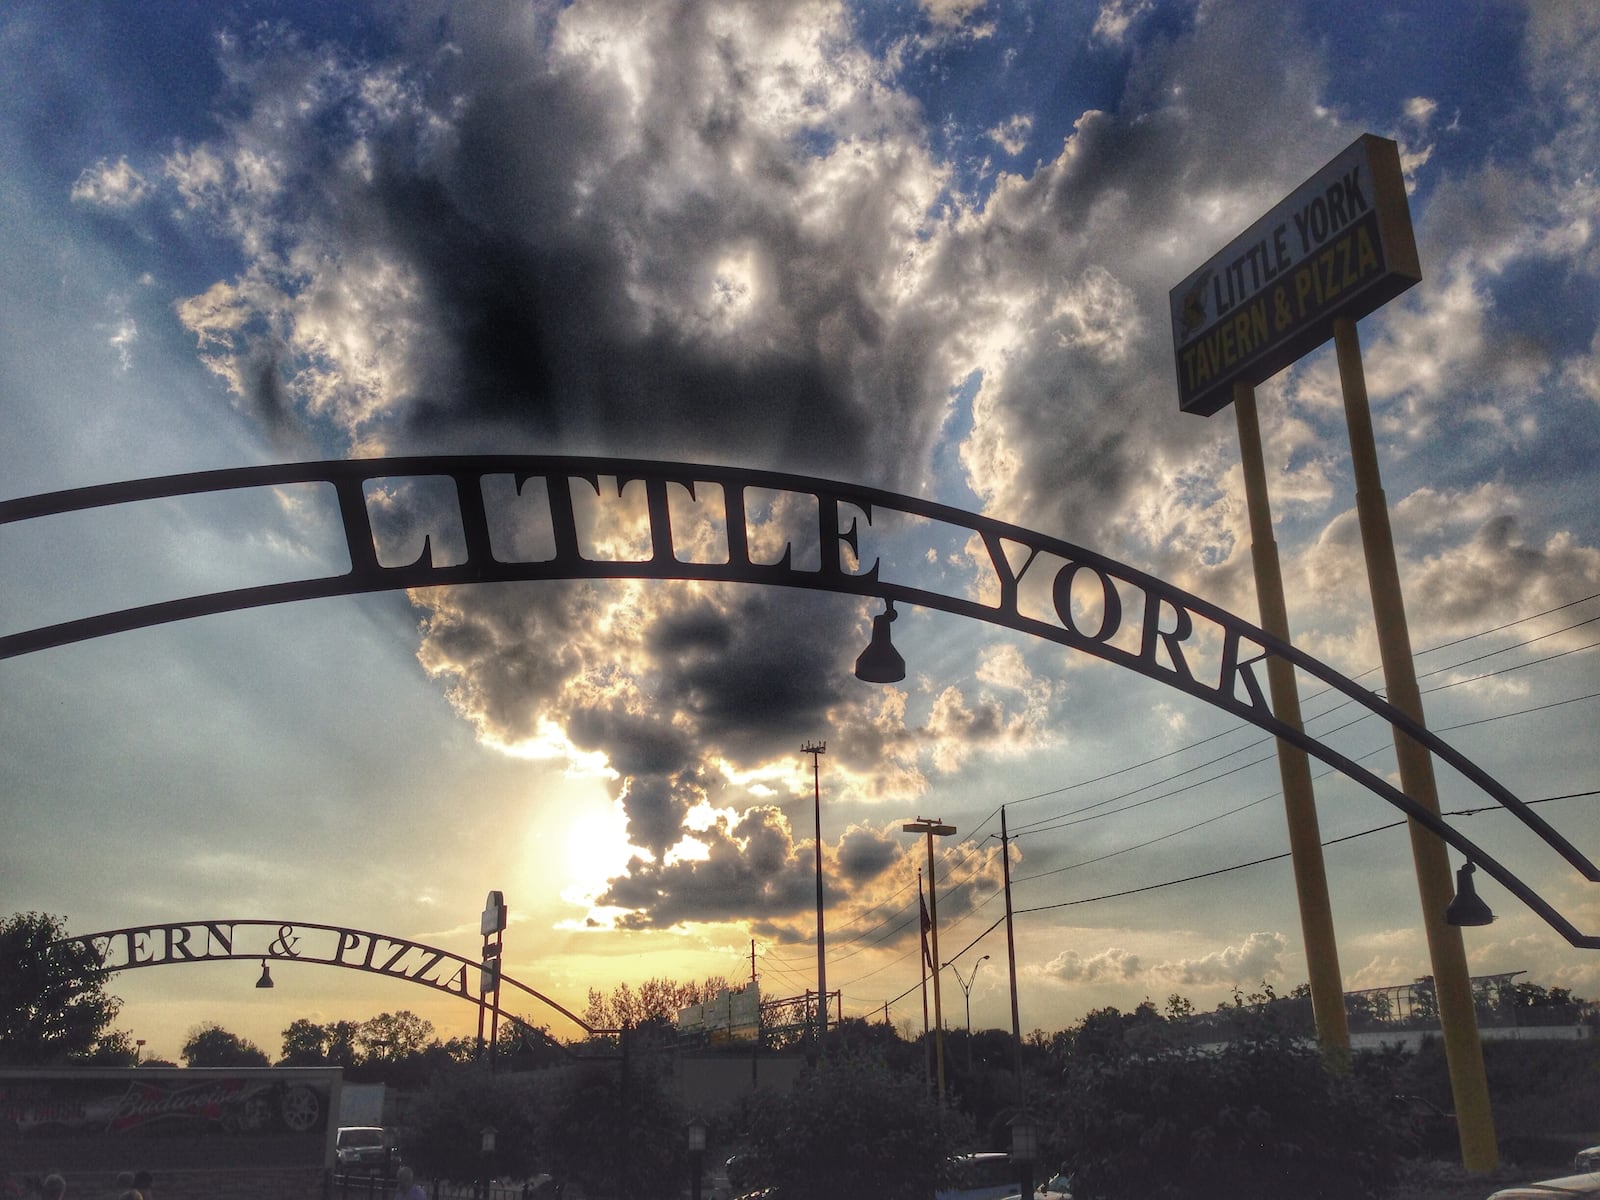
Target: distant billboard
x,y
1339,245
731,1015
99,1119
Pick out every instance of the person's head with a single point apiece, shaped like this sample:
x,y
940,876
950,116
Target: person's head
x,y
55,1187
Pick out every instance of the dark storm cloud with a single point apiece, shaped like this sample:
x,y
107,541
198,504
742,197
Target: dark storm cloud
x,y
566,240
1116,221
633,231
865,854
753,871
763,664
655,806
567,252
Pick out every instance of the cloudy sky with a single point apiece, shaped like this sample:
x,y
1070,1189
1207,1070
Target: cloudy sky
x,y
919,246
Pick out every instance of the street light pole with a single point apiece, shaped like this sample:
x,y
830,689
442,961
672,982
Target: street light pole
x,y
966,991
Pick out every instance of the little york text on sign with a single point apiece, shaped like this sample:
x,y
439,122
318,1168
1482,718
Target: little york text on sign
x,y
1340,245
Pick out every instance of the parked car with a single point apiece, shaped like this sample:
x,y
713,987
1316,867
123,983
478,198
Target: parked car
x,y
1587,1184
1587,1159
365,1150
984,1176
1057,1187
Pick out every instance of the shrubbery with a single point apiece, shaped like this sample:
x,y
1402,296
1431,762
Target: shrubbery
x,y
1261,1116
852,1127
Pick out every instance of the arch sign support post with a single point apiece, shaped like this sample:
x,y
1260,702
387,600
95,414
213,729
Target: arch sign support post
x,y
1334,250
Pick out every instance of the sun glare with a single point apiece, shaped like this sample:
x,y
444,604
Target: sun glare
x,y
595,849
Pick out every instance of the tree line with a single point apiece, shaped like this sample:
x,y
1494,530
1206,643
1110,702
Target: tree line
x,y
1129,1103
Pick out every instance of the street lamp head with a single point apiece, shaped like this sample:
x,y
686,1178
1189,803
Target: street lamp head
x,y
1467,908
1024,1138
880,662
266,976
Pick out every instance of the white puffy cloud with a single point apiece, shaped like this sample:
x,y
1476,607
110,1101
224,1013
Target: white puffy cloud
x,y
1259,957
110,185
1113,963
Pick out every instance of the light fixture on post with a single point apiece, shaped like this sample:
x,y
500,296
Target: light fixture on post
x,y
485,1160
697,1150
266,976
1024,1149
880,662
1468,907
966,991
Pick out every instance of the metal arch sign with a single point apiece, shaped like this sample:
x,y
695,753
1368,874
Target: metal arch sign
x,y
1092,604
303,942
1339,245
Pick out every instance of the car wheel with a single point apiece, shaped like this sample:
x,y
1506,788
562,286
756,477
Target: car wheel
x,y
300,1108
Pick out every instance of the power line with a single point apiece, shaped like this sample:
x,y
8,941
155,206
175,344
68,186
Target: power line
x,y
1256,862
1060,820
1322,775
1226,732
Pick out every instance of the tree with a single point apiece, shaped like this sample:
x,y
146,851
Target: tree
x,y
394,1036
656,1000
591,1140
305,1044
444,1129
114,1049
53,1002
851,1127
1260,1116
210,1045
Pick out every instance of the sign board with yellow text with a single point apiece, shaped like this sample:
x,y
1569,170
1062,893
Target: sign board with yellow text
x,y
1340,245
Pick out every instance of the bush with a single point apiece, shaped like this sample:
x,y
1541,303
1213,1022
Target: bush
x,y
443,1137
852,1128
1259,1117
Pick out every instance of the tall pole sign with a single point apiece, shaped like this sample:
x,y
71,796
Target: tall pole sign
x,y
492,924
1339,246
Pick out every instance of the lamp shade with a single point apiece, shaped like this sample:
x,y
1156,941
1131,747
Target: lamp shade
x,y
1024,1138
880,662
266,976
1468,907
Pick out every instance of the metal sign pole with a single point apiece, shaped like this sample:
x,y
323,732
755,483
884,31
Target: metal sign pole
x,y
1458,1018
1294,766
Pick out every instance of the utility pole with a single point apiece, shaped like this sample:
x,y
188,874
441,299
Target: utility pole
x,y
1011,959
816,750
930,828
927,958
